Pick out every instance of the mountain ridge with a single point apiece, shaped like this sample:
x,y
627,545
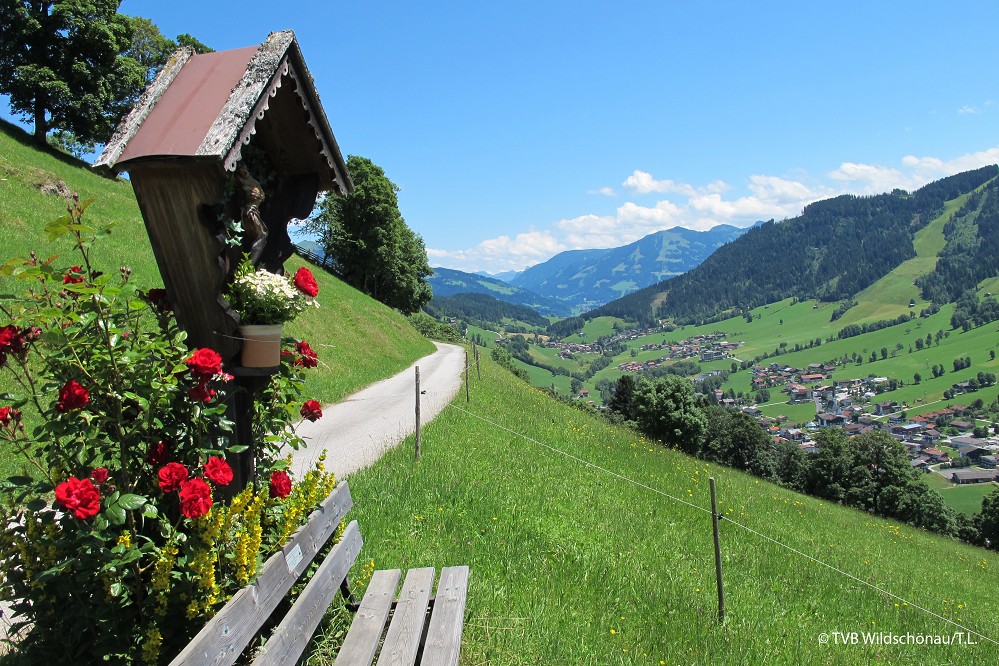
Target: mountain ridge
x,y
447,282
588,278
833,250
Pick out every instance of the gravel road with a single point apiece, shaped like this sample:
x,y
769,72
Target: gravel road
x,y
356,432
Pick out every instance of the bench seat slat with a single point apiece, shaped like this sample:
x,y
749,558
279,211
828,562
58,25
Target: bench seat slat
x,y
444,634
402,642
362,638
292,635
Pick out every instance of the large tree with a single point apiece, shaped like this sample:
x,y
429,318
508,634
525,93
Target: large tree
x,y
736,440
987,520
667,410
368,239
62,65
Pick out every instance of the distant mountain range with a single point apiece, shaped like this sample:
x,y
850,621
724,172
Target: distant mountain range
x,y
578,280
447,282
585,279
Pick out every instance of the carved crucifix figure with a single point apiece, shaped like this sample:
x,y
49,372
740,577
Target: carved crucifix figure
x,y
254,229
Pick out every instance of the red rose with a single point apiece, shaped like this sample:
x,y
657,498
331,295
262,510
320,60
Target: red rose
x,y
280,484
157,453
159,300
309,358
15,341
74,276
204,364
80,496
8,334
195,498
218,471
9,415
312,410
172,475
100,475
72,396
305,282
202,392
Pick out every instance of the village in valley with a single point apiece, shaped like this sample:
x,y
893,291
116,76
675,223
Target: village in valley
x,y
949,441
945,441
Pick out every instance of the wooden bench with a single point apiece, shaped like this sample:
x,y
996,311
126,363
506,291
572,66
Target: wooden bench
x,y
423,629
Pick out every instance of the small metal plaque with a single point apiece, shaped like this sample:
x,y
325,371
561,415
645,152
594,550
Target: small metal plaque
x,y
293,558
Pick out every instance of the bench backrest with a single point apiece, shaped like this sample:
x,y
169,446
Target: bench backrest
x,y
226,635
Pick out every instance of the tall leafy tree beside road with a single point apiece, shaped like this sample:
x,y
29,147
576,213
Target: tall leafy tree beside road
x,y
367,237
62,65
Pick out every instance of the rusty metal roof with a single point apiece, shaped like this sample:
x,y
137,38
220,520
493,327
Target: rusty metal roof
x,y
180,120
209,105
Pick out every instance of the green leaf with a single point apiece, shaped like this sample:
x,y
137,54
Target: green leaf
x,y
117,589
131,502
115,514
13,399
58,227
149,511
237,448
36,505
20,480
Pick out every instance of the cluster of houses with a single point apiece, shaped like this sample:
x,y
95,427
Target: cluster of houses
x,y
851,404
570,349
709,347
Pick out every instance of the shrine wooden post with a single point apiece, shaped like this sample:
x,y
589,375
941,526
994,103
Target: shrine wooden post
x,y
201,119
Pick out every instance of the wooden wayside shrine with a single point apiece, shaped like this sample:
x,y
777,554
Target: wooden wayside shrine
x,y
182,145
218,140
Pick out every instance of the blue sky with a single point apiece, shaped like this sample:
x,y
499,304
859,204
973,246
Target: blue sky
x,y
516,130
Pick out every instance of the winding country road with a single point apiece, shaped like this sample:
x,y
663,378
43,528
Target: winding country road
x,y
356,432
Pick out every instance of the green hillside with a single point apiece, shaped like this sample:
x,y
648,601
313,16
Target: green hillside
x,y
582,552
890,296
345,315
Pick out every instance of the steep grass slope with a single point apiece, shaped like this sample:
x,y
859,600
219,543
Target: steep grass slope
x,y
602,553
359,340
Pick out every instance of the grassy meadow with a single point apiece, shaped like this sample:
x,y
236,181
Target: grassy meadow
x,y
965,498
581,551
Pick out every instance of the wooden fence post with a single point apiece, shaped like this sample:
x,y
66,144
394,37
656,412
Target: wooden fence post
x,y
718,562
417,413
478,370
468,395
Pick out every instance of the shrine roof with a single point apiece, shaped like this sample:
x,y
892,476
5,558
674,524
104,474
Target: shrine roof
x,y
210,105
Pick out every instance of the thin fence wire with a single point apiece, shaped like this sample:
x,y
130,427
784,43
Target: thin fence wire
x,y
725,519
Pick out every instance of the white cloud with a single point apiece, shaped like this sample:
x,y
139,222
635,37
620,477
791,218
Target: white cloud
x,y
502,253
642,182
604,191
927,169
965,110
872,179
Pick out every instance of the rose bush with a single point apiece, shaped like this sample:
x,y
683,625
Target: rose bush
x,y
119,525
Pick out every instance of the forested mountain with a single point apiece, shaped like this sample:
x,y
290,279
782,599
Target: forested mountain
x,y
588,278
448,282
972,250
834,249
482,309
